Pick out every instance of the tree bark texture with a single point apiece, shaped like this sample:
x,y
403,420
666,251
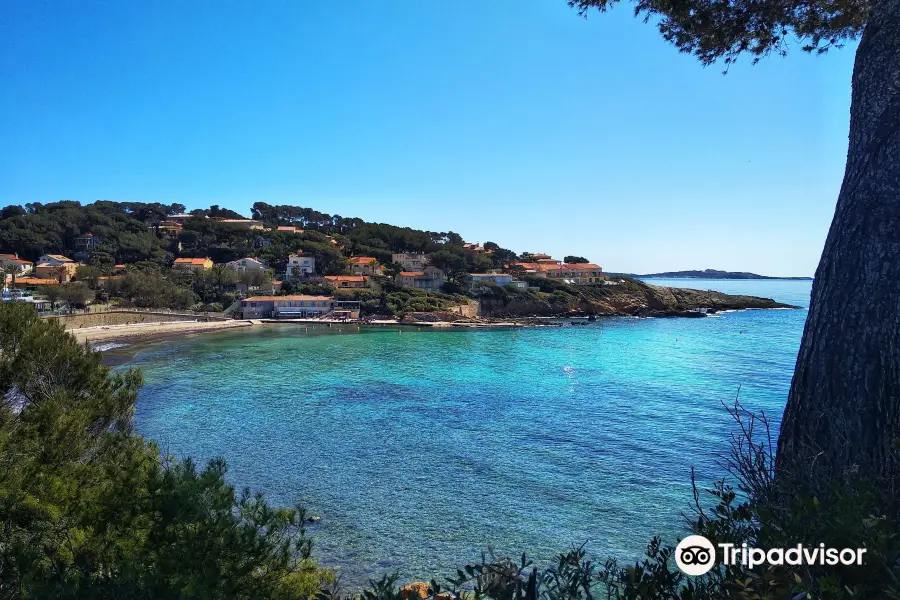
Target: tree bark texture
x,y
844,404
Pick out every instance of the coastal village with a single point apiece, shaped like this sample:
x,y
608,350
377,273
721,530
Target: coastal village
x,y
260,288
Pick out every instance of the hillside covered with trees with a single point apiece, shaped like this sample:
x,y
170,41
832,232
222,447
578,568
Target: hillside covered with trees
x,y
127,231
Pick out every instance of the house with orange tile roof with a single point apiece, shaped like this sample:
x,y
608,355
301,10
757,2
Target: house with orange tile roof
x,y
13,260
578,273
288,229
346,281
194,264
575,273
537,269
34,282
364,265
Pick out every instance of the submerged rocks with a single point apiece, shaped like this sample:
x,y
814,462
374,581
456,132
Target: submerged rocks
x,y
417,590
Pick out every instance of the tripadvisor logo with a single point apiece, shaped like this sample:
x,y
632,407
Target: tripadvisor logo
x,y
696,555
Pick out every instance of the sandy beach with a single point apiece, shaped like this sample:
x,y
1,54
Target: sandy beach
x,y
106,333
161,330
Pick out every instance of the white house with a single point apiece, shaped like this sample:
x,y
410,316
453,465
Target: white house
x,y
410,262
246,264
305,264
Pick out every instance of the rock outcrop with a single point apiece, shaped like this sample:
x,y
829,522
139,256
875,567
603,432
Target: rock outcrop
x,y
631,298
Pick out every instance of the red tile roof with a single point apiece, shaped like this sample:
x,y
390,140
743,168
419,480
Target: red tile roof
x,y
411,273
578,267
191,261
534,266
353,278
294,297
14,258
362,260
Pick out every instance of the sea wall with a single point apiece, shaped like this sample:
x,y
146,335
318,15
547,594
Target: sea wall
x,y
125,317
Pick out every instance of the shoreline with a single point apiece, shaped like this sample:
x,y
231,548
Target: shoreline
x,y
159,331
163,330
151,331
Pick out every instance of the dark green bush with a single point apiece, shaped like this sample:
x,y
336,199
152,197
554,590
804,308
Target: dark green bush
x,y
89,510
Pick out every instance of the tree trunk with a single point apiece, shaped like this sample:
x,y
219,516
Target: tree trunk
x,y
844,403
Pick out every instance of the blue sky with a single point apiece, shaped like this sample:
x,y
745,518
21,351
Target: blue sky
x,y
513,122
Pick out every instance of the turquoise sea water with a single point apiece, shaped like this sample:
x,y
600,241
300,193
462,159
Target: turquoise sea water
x,y
420,448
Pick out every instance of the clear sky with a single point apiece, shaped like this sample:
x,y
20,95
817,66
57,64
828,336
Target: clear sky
x,y
508,121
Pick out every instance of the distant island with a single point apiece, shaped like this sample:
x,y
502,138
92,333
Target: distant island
x,y
715,274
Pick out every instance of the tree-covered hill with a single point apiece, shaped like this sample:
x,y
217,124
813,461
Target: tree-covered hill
x,y
129,234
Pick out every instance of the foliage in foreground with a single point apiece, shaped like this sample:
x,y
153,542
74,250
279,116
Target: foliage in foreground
x,y
90,510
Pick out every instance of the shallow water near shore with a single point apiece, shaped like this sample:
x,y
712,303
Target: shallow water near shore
x,y
418,448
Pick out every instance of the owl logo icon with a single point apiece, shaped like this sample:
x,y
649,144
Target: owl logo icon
x,y
695,555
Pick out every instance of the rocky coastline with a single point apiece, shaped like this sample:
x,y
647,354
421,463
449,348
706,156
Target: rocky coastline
x,y
636,300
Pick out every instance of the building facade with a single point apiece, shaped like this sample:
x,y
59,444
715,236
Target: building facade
x,y
280,307
345,282
365,265
476,279
298,264
13,260
194,264
578,274
430,279
63,272
410,262
54,259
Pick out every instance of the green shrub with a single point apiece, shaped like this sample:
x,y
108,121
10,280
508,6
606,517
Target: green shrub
x,y
89,510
